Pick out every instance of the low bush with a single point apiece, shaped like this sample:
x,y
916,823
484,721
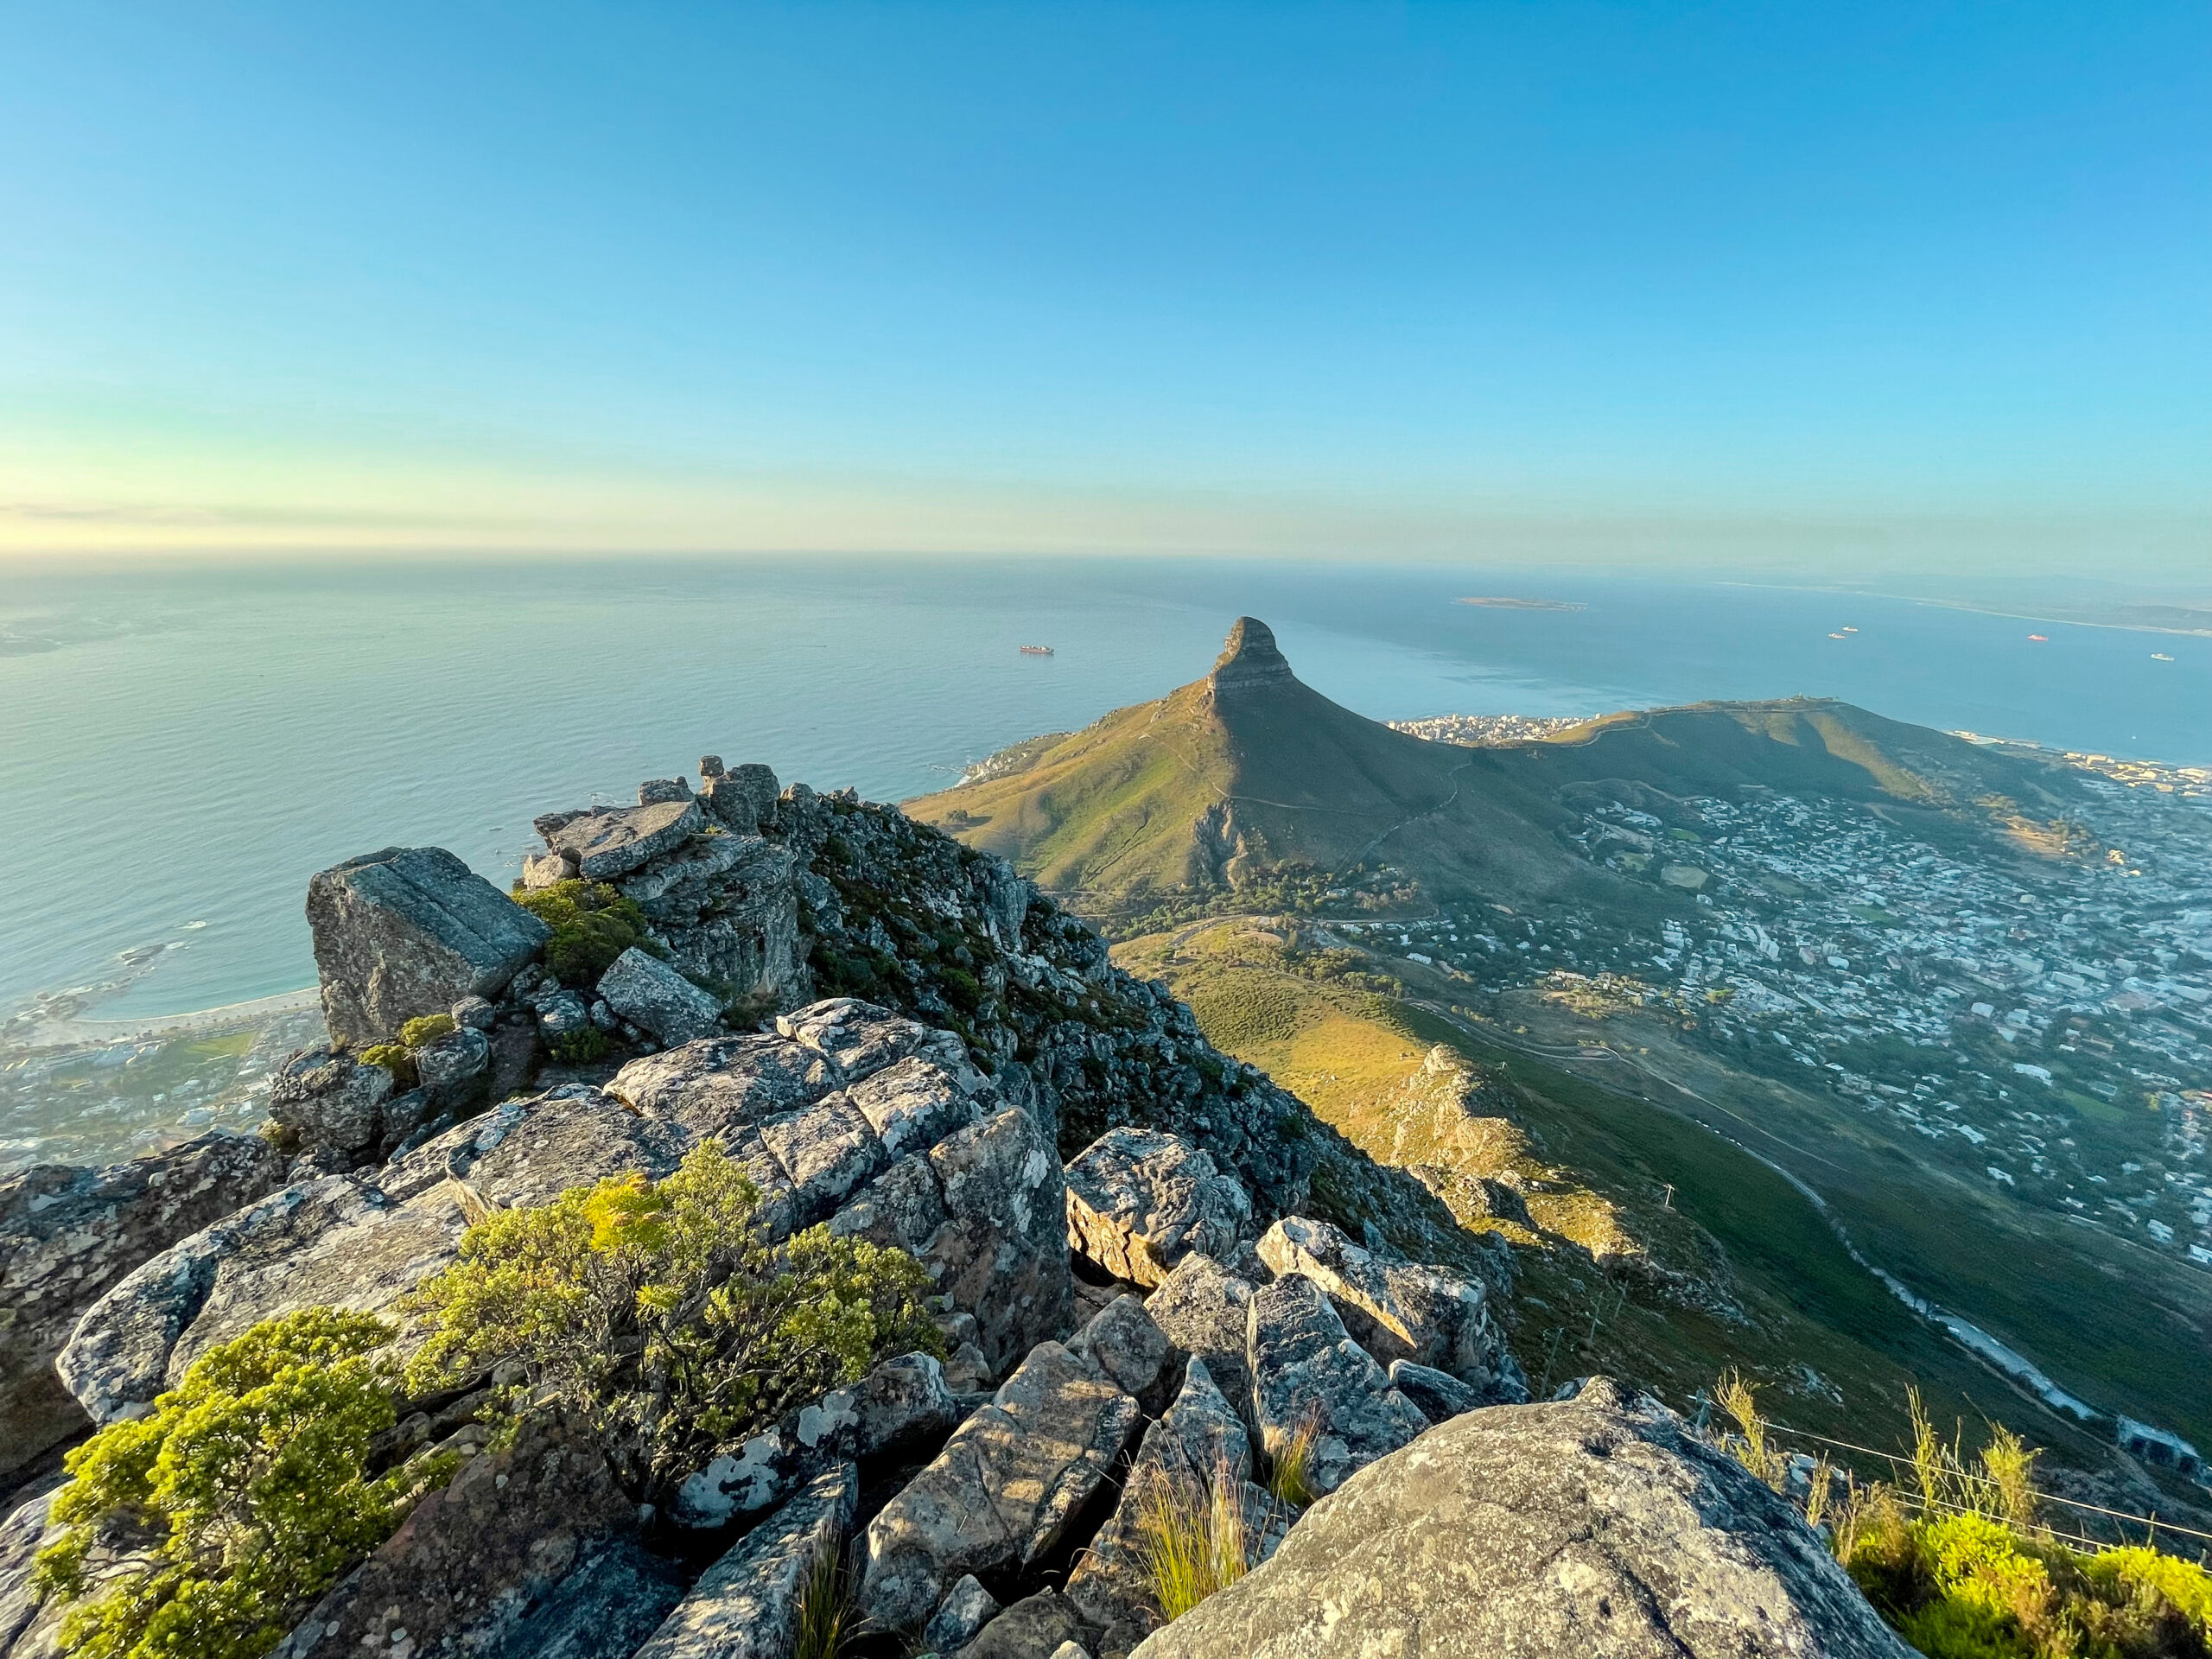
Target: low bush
x,y
660,1312
425,1029
395,1058
206,1528
592,924
582,1046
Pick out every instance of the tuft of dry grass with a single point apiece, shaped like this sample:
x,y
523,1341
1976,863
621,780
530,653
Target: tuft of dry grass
x,y
827,1619
1191,1538
1290,1471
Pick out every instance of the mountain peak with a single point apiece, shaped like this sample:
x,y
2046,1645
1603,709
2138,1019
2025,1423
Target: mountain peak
x,y
1250,659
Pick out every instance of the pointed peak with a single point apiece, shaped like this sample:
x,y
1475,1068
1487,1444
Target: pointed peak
x,y
1250,659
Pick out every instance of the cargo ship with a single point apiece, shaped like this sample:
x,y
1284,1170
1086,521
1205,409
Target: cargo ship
x,y
1036,651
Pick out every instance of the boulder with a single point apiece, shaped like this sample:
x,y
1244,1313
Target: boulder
x,y
1203,1310
746,1605
527,1551
727,908
1600,1526
1139,1200
1440,1395
967,1607
652,995
654,791
547,869
1399,1310
743,798
1306,1370
611,841
717,1083
1041,1626
324,1101
21,1605
824,1153
1001,1253
1123,1346
1004,1490
67,1235
408,931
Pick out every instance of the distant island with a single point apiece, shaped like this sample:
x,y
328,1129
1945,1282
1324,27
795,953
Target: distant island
x,y
1497,604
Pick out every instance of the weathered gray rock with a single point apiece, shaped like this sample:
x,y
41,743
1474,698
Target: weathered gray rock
x,y
408,931
825,1153
860,1039
727,908
654,791
22,1536
1398,1310
744,797
1139,1200
915,1104
1599,1527
1200,1446
745,1606
653,996
324,1100
67,1235
967,1607
1070,1650
1205,1311
474,1013
720,1084
1440,1395
1002,1254
901,1208
547,869
1123,1343
1041,1626
1306,1369
611,841
563,1015
531,1550
455,1071
1003,1490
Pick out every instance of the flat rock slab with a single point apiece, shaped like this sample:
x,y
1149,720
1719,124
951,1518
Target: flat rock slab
x,y
1140,1200
1596,1527
1004,1490
1306,1370
608,841
408,931
745,1606
654,997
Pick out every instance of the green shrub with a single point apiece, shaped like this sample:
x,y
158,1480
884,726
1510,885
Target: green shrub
x,y
660,1312
425,1029
395,1058
592,924
581,1047
236,1501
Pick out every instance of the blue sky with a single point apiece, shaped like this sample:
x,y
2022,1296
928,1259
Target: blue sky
x,y
1702,283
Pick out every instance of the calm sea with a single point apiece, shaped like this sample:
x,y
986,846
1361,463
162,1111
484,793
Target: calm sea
x,y
186,748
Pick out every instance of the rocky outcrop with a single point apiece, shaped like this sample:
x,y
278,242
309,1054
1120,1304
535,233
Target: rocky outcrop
x,y
606,842
530,1550
1140,1200
1310,1377
1597,1526
67,1235
1004,1490
1205,1311
746,1605
1400,1309
408,931
653,996
782,1104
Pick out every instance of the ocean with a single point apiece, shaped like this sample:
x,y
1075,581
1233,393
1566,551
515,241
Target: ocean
x,y
179,751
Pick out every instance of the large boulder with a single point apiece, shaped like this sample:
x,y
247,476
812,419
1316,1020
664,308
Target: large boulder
x,y
746,1605
408,931
1596,1527
1205,1311
1003,1491
1139,1200
1309,1376
323,1100
1123,1345
1002,1254
530,1550
1399,1310
68,1234
654,997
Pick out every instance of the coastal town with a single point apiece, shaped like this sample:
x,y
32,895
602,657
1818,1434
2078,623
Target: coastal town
x,y
2039,1015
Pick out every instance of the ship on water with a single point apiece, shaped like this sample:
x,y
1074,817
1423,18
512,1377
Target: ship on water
x,y
1036,651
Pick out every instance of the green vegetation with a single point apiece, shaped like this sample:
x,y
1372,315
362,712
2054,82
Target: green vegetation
x,y
395,1058
425,1029
1290,1470
828,1616
592,924
659,1313
1192,1539
582,1046
1960,1564
206,1528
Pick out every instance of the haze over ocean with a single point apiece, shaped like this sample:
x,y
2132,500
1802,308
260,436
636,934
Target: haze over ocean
x,y
189,747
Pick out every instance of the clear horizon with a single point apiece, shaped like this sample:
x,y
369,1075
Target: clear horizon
x,y
1907,292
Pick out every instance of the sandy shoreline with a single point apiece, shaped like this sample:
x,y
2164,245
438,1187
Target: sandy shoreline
x,y
70,1031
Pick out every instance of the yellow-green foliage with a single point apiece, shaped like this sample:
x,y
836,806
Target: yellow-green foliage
x,y
425,1029
592,924
659,1310
218,1519
1191,1538
1290,1471
394,1057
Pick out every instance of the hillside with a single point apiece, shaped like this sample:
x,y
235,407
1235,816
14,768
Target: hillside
x,y
1249,775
